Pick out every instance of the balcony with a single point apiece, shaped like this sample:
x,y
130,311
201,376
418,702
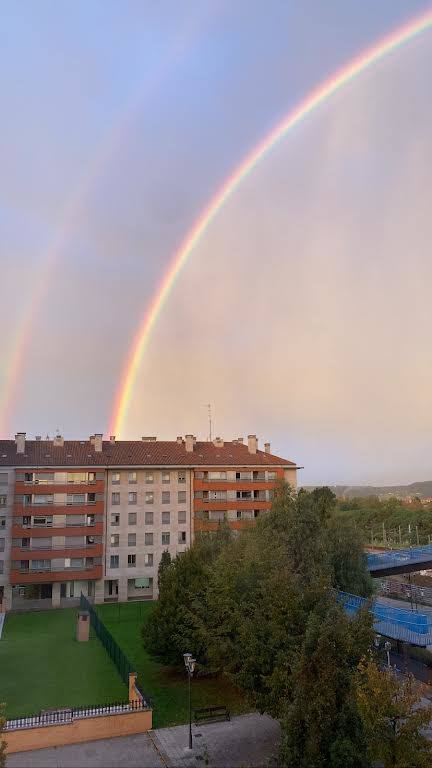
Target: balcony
x,y
57,550
211,525
56,508
19,530
23,487
199,504
46,576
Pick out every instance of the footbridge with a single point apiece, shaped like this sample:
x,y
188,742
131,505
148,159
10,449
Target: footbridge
x,y
396,623
399,560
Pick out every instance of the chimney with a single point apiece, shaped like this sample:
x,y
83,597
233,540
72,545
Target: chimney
x,y
240,440
20,441
92,439
252,443
98,443
58,441
189,441
147,439
218,442
38,438
179,440
112,439
267,447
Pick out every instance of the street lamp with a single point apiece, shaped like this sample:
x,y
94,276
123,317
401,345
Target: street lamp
x,y
387,648
190,666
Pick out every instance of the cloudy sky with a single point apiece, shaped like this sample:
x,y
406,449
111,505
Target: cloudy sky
x,y
304,314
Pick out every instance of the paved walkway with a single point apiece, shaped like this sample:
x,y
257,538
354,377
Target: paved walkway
x,y
2,620
248,741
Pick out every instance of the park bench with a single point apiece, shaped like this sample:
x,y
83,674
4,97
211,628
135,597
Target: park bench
x,y
211,713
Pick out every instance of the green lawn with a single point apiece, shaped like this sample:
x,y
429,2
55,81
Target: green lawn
x,y
166,687
42,666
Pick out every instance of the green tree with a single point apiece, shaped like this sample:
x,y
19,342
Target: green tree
x,y
394,717
164,564
322,727
172,627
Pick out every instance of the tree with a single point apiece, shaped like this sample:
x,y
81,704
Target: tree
x,y
2,742
393,717
322,727
164,564
172,627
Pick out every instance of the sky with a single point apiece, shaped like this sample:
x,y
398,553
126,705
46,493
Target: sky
x,y
303,315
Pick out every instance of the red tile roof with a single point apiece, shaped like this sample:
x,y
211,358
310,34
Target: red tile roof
x,y
81,453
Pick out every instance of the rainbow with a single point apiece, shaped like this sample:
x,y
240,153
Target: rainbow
x,y
106,148
314,99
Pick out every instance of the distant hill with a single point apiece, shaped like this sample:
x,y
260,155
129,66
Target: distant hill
x,y
422,489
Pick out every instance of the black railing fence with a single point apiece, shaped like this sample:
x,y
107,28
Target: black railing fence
x,y
112,648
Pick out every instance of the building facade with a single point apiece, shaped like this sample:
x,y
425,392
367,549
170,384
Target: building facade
x,y
94,516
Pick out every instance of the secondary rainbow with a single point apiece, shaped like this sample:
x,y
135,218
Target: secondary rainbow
x,y
314,99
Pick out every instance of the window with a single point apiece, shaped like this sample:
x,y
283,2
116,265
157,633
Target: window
x,y
166,497
115,498
216,475
181,497
43,498
132,477
244,494
115,518
149,477
4,478
132,518
166,477
1,566
132,497
131,539
91,498
182,517
148,519
149,497
131,561
148,560
181,477
182,537
2,522
114,561
166,518
75,498
115,539
3,500
148,539
165,538
2,545
271,476
271,495
115,478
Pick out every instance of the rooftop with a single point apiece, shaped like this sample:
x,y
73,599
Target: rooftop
x,y
82,453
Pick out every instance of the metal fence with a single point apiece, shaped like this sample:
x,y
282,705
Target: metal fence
x,y
112,648
65,716
397,623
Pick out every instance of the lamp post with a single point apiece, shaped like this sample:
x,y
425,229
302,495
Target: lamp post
x,y
190,666
387,648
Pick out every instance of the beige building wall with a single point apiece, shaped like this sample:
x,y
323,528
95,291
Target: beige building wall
x,y
150,496
7,479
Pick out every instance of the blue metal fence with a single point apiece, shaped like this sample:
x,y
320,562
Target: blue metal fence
x,y
397,623
395,557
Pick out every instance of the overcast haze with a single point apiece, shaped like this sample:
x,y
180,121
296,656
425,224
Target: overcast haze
x,y
304,314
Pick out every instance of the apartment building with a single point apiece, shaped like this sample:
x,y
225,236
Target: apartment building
x,y
94,516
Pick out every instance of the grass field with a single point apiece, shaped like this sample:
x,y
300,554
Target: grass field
x,y
42,666
166,687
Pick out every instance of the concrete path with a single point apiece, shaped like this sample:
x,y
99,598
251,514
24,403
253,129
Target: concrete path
x,y
2,621
248,741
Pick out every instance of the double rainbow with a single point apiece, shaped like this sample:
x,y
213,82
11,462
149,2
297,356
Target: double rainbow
x,y
317,97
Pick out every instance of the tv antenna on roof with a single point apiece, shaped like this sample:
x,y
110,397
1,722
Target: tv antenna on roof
x,y
208,406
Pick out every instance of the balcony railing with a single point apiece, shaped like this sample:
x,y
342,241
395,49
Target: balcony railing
x,y
67,524
61,569
58,482
257,479
35,505
55,547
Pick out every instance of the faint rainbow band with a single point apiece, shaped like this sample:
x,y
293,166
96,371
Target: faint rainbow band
x,y
319,95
